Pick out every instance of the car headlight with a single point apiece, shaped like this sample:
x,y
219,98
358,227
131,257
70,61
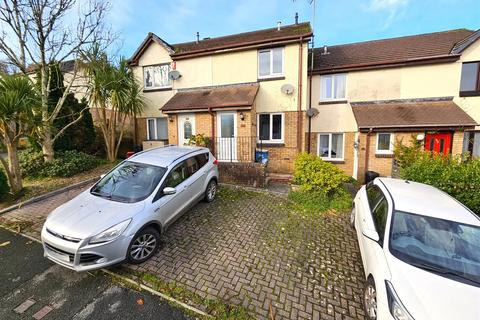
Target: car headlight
x,y
111,233
397,309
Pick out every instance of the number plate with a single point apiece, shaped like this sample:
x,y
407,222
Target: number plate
x,y
59,256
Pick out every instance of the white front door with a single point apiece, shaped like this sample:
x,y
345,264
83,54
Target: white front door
x,y
186,128
226,144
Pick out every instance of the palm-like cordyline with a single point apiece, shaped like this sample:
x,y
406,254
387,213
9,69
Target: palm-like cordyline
x,y
17,100
116,94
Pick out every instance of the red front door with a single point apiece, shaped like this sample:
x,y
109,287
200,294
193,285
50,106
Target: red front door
x,y
438,142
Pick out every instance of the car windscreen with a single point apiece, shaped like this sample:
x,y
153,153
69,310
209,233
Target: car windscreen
x,y
445,247
129,182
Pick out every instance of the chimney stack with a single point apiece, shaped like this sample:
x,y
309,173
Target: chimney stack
x,y
296,17
198,36
325,50
279,25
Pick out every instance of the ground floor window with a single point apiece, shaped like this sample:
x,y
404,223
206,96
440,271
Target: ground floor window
x,y
157,129
471,143
384,143
330,146
271,127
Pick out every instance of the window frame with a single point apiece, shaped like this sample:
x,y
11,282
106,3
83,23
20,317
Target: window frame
x,y
271,74
152,88
470,93
273,141
330,138
390,149
155,128
333,76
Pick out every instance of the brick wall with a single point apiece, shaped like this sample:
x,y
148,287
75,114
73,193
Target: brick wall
x,y
248,174
348,152
281,158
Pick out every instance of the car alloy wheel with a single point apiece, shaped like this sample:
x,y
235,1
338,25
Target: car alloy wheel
x,y
370,299
144,245
211,191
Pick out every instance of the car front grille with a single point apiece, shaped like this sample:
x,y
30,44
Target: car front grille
x,y
66,238
60,251
89,257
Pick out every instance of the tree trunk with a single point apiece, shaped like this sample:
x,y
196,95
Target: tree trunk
x,y
13,168
47,145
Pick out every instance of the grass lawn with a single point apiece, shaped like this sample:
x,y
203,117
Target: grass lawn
x,y
36,187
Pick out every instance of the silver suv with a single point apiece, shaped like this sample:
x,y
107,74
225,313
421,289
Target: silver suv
x,y
123,215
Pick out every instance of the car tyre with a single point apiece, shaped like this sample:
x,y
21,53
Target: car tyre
x,y
143,246
352,218
370,299
211,191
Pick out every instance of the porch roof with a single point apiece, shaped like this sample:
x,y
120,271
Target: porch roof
x,y
232,96
411,114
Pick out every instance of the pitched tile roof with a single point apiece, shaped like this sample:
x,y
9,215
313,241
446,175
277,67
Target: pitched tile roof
x,y
388,52
214,98
287,32
417,113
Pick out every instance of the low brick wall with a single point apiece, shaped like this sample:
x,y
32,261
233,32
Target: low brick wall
x,y
247,174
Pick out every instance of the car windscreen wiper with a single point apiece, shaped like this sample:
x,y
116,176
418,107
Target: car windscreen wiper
x,y
101,195
443,271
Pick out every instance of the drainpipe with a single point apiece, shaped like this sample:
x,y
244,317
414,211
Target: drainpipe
x,y
213,129
299,118
367,150
310,100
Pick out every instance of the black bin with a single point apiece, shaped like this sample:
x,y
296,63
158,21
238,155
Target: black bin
x,y
370,175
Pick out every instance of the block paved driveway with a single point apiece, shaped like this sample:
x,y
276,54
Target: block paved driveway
x,y
251,249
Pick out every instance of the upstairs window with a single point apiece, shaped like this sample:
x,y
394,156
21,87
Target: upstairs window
x,y
270,127
157,129
333,87
470,81
270,63
156,77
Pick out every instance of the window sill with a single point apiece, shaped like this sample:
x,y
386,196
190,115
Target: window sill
x,y
271,144
469,93
334,161
384,155
157,89
271,78
332,102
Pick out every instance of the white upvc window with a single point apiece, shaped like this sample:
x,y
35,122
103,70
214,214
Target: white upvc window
x,y
270,63
331,146
156,77
333,87
157,128
271,127
385,143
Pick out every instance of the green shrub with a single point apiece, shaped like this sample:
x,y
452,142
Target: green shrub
x,y
4,187
457,177
314,174
65,164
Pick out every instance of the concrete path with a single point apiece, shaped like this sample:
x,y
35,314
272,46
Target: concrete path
x,y
33,287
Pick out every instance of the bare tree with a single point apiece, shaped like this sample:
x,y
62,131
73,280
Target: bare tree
x,y
38,33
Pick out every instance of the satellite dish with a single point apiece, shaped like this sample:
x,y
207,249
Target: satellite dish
x,y
287,88
174,75
312,112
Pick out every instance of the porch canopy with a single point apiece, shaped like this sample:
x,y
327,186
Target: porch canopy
x,y
231,97
410,115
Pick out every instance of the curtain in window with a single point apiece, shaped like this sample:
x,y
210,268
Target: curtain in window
x,y
324,145
326,86
277,60
339,88
162,129
337,146
151,129
264,63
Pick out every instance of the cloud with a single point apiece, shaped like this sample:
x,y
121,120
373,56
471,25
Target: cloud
x,y
394,9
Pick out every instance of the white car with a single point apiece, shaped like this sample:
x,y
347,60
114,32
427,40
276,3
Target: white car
x,y
123,215
420,250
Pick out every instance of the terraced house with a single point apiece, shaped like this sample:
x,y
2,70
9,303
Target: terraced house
x,y
244,92
371,94
252,92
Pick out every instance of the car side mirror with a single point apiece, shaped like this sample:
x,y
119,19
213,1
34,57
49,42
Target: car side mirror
x,y
169,190
371,234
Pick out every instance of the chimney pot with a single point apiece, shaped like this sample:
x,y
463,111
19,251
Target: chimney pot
x,y
279,25
296,17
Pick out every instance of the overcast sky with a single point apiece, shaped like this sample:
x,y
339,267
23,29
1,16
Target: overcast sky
x,y
337,21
